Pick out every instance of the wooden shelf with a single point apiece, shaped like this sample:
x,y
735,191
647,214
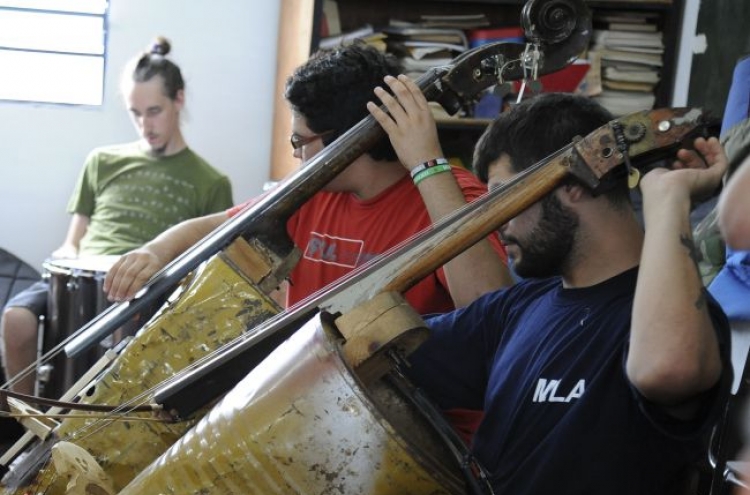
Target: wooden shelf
x,y
670,24
354,14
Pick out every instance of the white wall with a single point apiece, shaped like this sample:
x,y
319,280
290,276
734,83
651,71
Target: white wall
x,y
227,52
690,44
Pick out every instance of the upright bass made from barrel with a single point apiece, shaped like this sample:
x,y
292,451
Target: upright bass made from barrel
x,y
246,260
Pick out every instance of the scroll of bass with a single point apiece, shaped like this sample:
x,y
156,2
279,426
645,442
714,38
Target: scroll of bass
x,y
299,422
243,261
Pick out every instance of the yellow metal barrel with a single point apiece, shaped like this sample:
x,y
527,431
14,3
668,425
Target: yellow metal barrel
x,y
302,423
215,307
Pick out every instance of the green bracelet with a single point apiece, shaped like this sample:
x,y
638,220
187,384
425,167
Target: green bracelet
x,y
428,164
437,169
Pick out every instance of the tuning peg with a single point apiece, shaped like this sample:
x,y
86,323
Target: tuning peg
x,y
634,176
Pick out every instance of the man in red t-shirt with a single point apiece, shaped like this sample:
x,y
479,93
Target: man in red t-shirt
x,y
339,232
373,205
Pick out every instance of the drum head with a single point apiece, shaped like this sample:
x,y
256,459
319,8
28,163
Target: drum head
x,y
94,264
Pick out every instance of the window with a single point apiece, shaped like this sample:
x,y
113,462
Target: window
x,y
53,50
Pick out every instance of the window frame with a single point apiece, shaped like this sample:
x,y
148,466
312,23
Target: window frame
x,y
92,58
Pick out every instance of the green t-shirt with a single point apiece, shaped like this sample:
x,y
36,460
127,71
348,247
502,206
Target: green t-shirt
x,y
131,196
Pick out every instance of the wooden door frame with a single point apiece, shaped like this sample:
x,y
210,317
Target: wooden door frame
x,y
297,25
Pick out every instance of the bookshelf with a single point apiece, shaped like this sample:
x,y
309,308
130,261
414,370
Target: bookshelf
x,y
668,17
354,14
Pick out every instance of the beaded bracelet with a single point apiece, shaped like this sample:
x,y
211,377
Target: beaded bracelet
x,y
437,169
426,165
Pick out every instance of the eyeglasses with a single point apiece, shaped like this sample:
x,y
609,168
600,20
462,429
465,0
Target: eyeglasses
x,y
300,141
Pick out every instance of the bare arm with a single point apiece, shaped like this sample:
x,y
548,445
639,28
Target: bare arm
x,y
674,352
77,228
131,272
734,208
412,131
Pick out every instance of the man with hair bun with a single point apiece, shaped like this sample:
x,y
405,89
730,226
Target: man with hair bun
x,y
126,194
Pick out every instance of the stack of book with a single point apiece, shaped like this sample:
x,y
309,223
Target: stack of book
x,y
418,46
432,41
366,33
331,35
510,34
422,47
629,48
457,21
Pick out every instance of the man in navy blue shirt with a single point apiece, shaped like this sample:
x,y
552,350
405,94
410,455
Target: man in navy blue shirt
x,y
602,370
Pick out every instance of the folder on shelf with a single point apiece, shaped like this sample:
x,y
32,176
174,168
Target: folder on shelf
x,y
413,32
365,33
478,37
625,102
631,75
608,38
459,21
629,85
650,59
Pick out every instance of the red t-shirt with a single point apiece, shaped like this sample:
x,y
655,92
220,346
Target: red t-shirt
x,y
338,232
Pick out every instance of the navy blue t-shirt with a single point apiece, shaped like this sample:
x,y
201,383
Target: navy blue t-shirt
x,y
547,366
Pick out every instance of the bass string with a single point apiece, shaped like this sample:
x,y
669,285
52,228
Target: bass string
x,y
44,359
144,396
125,416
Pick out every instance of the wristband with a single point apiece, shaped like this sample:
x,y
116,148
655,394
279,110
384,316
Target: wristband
x,y
437,169
427,165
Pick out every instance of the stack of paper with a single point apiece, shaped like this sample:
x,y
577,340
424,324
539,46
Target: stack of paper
x,y
630,48
420,48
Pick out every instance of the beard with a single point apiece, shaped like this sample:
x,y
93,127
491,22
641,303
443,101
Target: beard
x,y
547,248
159,151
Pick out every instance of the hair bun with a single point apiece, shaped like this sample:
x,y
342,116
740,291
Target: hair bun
x,y
160,46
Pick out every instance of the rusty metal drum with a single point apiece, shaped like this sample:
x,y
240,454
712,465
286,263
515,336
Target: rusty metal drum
x,y
302,423
215,306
